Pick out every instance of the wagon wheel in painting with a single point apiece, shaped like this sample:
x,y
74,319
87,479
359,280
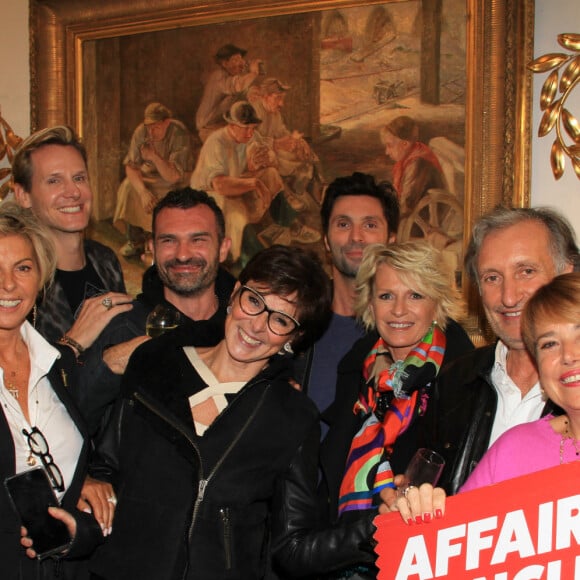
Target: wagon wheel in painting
x,y
438,217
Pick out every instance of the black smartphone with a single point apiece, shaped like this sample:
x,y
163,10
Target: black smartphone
x,y
32,494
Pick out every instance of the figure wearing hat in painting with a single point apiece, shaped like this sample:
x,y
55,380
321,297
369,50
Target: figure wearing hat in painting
x,y
225,85
297,163
241,174
158,160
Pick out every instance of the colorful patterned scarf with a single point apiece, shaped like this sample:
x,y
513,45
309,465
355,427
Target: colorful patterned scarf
x,y
396,392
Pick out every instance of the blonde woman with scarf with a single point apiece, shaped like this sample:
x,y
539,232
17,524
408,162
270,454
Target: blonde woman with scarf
x,y
406,302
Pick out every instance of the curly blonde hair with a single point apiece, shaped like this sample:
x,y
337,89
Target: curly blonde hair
x,y
420,266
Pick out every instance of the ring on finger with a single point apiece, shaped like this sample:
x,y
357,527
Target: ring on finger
x,y
107,303
112,500
407,489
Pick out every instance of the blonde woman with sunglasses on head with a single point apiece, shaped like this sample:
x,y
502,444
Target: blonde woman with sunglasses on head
x,y
39,423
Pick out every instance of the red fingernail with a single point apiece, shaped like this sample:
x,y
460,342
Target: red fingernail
x,y
438,514
418,520
427,517
409,521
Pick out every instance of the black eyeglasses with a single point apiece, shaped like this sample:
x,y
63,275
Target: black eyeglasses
x,y
38,445
253,303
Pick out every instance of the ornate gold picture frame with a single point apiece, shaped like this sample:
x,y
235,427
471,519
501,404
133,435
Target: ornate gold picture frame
x,y
67,80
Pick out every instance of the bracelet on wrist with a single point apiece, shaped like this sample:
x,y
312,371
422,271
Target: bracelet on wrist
x,y
66,339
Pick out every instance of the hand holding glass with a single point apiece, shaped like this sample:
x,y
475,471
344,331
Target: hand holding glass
x,y
426,466
161,319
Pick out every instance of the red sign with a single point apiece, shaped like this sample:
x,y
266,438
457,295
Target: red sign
x,y
522,529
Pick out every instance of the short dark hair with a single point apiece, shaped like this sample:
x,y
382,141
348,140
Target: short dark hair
x,y
60,135
227,51
187,198
285,270
560,232
362,184
556,302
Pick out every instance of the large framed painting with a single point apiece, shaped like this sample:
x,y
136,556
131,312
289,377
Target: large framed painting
x,y
353,71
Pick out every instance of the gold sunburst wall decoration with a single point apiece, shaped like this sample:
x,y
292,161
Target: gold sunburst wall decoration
x,y
563,77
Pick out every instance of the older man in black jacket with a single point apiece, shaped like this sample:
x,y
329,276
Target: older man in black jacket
x,y
511,254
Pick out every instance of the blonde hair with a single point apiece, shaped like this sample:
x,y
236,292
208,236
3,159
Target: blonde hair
x,y
557,301
18,221
22,166
420,266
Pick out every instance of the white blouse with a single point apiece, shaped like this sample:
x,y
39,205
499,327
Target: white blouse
x,y
47,412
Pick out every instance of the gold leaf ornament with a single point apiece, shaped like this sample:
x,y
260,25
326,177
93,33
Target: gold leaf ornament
x,y
570,75
557,159
563,78
569,41
576,166
549,89
549,118
571,125
9,142
547,62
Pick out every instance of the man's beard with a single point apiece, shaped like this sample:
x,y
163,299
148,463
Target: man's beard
x,y
189,284
347,268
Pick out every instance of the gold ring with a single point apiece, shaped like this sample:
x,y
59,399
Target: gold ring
x,y
112,500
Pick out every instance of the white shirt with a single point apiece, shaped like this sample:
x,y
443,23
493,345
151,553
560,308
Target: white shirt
x,y
512,409
215,390
47,412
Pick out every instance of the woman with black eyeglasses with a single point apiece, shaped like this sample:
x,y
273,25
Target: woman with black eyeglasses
x,y
207,442
39,424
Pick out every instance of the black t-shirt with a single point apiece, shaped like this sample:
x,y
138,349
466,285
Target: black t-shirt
x,y
79,285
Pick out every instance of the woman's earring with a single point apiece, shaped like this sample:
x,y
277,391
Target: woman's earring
x,y
288,348
229,309
34,314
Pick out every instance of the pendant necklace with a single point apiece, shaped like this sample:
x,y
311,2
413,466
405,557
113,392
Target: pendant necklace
x,y
13,390
567,435
10,381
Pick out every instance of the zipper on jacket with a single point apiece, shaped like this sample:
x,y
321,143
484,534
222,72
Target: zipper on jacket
x,y
225,515
203,483
223,458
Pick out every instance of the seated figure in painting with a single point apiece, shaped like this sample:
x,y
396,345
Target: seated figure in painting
x,y
297,163
416,168
158,160
242,176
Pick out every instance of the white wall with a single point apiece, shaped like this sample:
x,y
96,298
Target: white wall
x,y
551,19
14,65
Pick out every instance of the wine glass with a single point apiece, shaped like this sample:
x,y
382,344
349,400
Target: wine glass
x,y
161,319
425,466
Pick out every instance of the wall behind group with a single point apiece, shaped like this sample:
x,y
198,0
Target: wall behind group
x,y
551,19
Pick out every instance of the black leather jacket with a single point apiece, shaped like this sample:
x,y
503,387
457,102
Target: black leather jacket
x,y
223,505
461,413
